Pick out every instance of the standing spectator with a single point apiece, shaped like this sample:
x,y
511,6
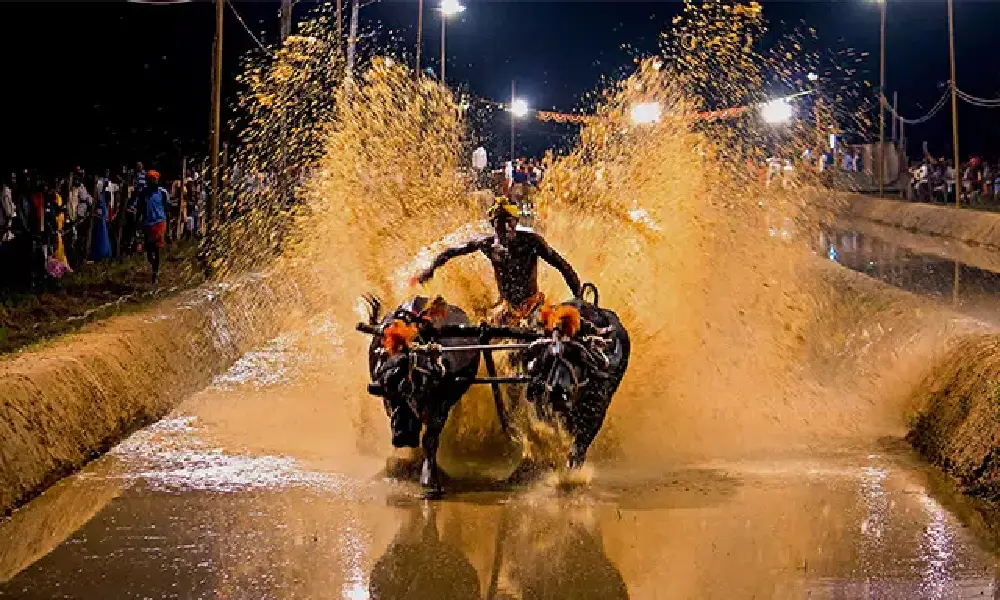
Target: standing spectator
x,y
175,222
131,219
36,213
479,164
84,206
924,182
987,181
110,192
22,205
100,240
140,179
72,204
949,181
57,264
7,212
154,204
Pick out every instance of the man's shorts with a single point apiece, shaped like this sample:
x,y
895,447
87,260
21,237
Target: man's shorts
x,y
526,315
156,235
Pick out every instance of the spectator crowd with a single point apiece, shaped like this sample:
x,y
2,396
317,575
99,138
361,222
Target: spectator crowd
x,y
521,180
52,225
934,180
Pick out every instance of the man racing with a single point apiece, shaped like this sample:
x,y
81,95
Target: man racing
x,y
514,254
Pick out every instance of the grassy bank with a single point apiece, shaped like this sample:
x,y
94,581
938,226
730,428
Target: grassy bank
x,y
94,292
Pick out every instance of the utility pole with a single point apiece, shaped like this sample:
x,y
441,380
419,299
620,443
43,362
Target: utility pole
x,y
286,19
340,24
444,57
213,198
352,39
881,110
283,185
420,32
954,108
513,90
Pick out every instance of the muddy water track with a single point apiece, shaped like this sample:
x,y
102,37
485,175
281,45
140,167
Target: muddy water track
x,y
172,516
255,487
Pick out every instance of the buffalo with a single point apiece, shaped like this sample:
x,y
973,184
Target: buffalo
x,y
419,388
576,370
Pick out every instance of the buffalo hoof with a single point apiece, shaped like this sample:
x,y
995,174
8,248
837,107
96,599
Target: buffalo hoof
x,y
430,479
433,493
527,471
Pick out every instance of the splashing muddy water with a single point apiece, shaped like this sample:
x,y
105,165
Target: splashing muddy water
x,y
729,324
745,455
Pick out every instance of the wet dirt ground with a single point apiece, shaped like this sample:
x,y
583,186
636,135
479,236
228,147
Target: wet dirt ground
x,y
247,491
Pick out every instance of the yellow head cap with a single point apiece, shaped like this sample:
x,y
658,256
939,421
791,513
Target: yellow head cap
x,y
503,206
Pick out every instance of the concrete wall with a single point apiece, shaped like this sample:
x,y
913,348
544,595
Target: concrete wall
x,y
63,404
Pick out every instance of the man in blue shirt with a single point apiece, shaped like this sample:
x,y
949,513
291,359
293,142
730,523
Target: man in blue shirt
x,y
154,202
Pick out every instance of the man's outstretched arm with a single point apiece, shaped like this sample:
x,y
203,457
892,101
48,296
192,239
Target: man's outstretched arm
x,y
546,253
454,252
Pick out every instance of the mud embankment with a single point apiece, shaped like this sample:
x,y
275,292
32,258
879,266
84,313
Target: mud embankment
x,y
958,428
972,227
64,404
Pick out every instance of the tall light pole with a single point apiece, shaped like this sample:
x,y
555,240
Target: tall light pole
x,y
213,199
420,33
286,19
954,105
283,179
352,41
448,8
518,109
881,109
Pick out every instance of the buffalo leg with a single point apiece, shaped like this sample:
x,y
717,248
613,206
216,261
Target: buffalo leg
x,y
430,476
587,428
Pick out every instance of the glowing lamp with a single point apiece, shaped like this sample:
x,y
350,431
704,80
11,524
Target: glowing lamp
x,y
776,111
646,113
519,107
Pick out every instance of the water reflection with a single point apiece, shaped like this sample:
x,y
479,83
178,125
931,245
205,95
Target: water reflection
x,y
819,527
418,564
534,553
575,564
970,289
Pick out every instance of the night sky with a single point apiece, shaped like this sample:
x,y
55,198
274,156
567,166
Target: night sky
x,y
97,83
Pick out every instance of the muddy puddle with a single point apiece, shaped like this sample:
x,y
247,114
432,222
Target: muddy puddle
x,y
962,277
